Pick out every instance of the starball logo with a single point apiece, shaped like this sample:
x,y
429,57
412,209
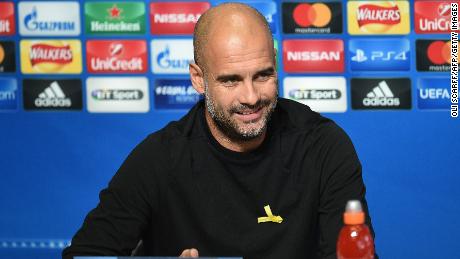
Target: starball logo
x,y
7,25
313,18
378,17
49,18
302,56
51,56
175,18
107,56
433,55
115,17
432,17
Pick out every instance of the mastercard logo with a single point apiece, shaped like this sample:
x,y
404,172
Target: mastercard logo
x,y
438,52
317,15
2,54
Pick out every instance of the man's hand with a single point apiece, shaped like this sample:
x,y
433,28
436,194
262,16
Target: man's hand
x,y
192,252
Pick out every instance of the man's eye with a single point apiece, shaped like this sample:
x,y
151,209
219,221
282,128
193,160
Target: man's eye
x,y
262,78
229,83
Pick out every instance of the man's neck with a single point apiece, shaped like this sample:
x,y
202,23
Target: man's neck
x,y
237,146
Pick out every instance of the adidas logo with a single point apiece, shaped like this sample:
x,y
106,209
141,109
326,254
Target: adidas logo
x,y
53,96
381,95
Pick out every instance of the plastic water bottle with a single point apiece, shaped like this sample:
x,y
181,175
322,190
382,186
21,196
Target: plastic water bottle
x,y
355,239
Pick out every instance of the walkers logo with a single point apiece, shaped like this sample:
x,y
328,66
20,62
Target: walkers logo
x,y
59,94
300,56
117,94
434,93
107,56
8,94
380,55
171,56
175,17
433,55
7,57
175,94
394,93
115,18
49,18
51,57
322,94
312,17
432,17
378,17
7,25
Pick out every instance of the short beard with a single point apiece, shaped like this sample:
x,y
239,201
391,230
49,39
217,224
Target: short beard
x,y
229,127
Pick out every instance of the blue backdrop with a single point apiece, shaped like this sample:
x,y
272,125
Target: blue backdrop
x,y
53,164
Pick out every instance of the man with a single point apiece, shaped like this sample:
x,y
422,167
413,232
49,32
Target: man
x,y
244,173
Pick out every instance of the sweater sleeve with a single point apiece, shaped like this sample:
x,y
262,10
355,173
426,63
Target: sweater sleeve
x,y
341,180
124,211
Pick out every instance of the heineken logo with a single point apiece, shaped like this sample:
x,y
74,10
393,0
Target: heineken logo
x,y
115,17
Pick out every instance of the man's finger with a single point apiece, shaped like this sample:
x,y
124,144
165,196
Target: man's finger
x,y
189,253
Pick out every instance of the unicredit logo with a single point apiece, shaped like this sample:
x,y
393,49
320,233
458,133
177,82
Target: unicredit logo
x,y
375,14
43,53
313,56
128,56
438,52
432,17
317,14
176,18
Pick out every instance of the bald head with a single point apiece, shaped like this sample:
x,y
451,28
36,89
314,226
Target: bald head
x,y
227,23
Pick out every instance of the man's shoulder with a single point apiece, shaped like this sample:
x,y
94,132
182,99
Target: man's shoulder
x,y
295,116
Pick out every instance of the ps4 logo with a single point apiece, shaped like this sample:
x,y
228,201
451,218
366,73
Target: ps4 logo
x,y
379,55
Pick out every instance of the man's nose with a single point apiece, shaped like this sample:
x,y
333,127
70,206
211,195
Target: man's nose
x,y
249,93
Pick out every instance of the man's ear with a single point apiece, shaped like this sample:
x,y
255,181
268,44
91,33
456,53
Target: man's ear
x,y
275,54
197,77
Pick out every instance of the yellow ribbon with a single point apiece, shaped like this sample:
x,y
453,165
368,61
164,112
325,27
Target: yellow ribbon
x,y
270,217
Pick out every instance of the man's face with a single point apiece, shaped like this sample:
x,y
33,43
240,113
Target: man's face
x,y
241,86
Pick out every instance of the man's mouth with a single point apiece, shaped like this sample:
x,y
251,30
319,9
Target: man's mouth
x,y
249,115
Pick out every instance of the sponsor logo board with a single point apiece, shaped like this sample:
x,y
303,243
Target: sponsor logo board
x,y
322,94
175,17
117,94
378,17
52,94
109,56
380,55
312,17
433,55
8,94
380,93
115,18
51,56
49,18
432,16
7,21
303,56
171,56
7,57
433,94
174,94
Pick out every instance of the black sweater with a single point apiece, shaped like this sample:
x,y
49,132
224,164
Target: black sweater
x,y
180,189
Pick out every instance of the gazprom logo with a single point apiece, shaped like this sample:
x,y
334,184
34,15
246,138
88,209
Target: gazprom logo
x,y
8,94
171,56
49,18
